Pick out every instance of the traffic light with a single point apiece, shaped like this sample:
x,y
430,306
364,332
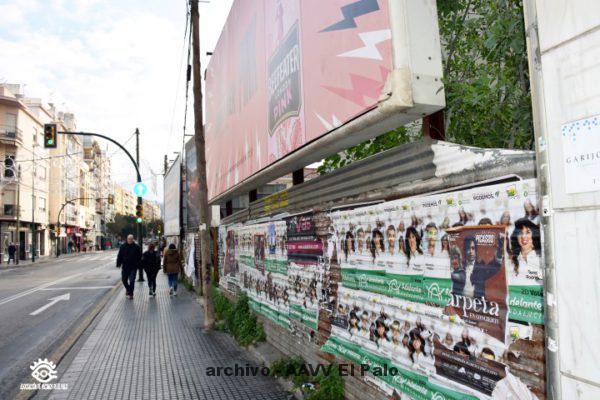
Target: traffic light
x,y
57,231
139,213
111,199
50,136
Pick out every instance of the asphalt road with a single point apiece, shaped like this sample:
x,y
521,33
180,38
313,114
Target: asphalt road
x,y
40,305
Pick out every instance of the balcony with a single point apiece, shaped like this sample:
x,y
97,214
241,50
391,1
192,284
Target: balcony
x,y
11,134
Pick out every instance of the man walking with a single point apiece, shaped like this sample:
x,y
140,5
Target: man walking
x,y
12,251
130,259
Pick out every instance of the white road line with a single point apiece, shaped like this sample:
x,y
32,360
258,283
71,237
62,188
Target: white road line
x,y
77,288
53,301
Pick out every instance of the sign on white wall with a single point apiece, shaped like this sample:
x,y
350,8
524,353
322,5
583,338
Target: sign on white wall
x,y
581,149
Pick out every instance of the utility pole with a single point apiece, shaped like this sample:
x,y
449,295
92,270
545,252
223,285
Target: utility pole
x,y
18,227
139,199
201,165
33,208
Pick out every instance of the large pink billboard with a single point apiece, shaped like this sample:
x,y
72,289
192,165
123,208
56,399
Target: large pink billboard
x,y
286,72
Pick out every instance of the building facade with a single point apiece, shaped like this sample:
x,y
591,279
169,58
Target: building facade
x,y
24,183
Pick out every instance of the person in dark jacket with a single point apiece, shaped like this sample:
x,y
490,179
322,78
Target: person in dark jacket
x,y
130,259
172,267
151,264
12,251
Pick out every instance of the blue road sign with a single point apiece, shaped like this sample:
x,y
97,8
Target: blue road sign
x,y
140,189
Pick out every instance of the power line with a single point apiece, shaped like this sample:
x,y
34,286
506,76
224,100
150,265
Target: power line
x,y
185,36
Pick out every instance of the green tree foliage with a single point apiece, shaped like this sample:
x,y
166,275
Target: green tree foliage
x,y
485,77
124,225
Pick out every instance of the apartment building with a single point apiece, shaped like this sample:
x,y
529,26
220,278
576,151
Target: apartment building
x,y
24,180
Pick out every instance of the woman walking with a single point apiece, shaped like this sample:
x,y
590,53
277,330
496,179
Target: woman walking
x,y
151,264
172,267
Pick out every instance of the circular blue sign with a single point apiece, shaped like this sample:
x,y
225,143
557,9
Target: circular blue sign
x,y
140,189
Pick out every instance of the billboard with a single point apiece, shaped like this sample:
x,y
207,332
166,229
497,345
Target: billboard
x,y
172,197
286,73
191,185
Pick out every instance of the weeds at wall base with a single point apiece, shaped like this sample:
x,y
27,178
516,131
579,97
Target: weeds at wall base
x,y
237,319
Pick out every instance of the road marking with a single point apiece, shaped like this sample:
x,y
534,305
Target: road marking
x,y
45,285
77,288
53,301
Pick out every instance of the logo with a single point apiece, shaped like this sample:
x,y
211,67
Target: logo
x,y
511,191
43,370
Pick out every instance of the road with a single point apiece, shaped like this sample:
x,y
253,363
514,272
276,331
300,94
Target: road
x,y
40,305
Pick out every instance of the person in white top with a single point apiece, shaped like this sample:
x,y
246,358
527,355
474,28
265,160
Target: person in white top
x,y
525,249
413,250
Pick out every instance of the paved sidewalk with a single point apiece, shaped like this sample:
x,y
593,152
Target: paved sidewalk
x,y
153,348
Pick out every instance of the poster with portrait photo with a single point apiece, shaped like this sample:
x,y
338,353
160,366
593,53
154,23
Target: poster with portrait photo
x,y
230,265
260,245
479,289
305,269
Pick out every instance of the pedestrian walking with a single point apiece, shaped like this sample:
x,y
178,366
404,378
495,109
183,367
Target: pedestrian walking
x,y
129,259
151,264
172,267
12,251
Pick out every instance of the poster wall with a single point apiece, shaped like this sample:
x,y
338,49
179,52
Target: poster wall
x,y
433,289
439,287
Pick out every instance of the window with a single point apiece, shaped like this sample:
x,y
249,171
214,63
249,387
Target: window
x,y
41,172
9,166
9,202
42,204
11,124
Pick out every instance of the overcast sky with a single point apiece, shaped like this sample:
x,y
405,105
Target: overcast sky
x,y
116,64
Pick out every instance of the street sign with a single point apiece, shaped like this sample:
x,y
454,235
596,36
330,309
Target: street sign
x,y
140,189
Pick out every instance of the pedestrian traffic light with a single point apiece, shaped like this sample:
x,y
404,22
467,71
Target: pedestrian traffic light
x,y
57,231
139,213
111,199
50,135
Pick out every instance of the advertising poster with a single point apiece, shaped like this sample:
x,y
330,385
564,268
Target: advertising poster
x,y
192,188
230,264
305,254
260,253
437,284
262,102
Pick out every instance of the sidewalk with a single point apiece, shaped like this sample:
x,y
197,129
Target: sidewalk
x,y
153,348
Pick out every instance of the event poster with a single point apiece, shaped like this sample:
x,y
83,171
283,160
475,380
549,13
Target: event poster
x,y
432,284
305,255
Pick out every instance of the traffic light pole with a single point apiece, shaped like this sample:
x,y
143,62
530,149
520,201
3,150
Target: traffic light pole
x,y
139,200
135,164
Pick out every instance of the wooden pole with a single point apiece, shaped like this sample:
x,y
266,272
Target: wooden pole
x,y
201,165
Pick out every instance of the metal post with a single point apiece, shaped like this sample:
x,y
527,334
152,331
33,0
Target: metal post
x,y
201,165
139,200
18,227
298,177
33,208
551,327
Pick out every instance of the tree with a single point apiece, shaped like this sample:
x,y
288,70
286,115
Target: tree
x,y
486,81
124,225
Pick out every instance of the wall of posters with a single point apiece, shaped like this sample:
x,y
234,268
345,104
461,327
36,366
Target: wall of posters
x,y
439,286
433,290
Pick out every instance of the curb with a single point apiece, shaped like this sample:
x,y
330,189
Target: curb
x,y
70,341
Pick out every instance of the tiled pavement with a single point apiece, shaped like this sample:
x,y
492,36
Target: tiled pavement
x,y
153,348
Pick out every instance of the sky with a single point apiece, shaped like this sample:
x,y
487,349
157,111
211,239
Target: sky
x,y
117,65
